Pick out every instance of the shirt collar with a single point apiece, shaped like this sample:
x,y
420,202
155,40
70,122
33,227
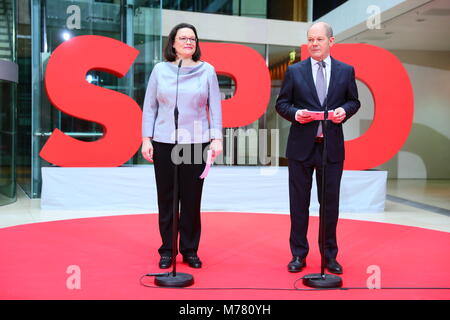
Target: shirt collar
x,y
327,61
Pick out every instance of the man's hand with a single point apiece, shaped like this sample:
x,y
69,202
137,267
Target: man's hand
x,y
301,117
339,115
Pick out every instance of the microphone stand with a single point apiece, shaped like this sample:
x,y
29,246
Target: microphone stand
x,y
323,280
174,279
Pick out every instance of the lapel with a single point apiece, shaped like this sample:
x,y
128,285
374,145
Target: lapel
x,y
335,74
307,75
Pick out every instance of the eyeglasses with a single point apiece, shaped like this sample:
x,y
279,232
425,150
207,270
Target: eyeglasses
x,y
186,39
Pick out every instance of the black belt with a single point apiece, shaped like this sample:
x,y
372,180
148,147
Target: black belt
x,y
318,140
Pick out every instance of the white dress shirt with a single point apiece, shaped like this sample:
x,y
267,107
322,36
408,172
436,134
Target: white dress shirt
x,y
327,71
327,76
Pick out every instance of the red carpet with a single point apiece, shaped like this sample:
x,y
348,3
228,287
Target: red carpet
x,y
239,250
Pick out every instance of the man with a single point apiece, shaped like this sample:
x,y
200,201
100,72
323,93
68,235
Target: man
x,y
310,85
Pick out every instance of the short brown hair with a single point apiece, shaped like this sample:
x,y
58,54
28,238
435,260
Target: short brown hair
x,y
169,51
328,29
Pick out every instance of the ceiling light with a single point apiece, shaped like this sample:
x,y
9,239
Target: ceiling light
x,y
66,35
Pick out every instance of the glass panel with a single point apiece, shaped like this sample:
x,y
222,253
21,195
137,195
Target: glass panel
x,y
244,145
321,8
147,39
247,8
7,30
250,8
7,142
24,90
292,10
84,18
137,23
210,6
279,59
8,113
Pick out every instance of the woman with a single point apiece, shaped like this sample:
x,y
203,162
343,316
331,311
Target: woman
x,y
194,88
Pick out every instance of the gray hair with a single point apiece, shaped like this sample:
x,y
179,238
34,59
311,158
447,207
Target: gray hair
x,y
328,29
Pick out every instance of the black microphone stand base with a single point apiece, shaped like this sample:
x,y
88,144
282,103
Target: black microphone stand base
x,y
180,280
322,281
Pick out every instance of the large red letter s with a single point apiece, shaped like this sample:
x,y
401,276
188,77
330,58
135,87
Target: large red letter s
x,y
68,91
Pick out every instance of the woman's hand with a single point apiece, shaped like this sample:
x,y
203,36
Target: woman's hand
x,y
147,149
216,148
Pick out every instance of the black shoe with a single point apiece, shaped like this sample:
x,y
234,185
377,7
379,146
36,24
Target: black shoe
x,y
296,264
334,267
165,262
193,261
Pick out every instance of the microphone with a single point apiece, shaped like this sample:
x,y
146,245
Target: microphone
x,y
324,66
175,279
323,280
175,112
157,274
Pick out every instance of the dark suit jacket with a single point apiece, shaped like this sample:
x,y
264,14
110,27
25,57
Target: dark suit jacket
x,y
299,92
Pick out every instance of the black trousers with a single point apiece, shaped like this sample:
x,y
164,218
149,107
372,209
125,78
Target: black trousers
x,y
300,183
190,188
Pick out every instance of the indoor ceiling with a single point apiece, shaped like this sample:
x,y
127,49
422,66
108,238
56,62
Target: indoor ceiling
x,y
424,28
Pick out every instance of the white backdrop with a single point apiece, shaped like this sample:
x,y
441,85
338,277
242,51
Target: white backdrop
x,y
240,189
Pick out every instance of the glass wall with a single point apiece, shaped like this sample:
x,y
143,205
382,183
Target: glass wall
x,y
292,10
7,142
263,142
244,145
24,90
44,25
321,8
280,57
8,87
247,8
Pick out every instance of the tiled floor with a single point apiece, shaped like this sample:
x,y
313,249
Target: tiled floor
x,y
431,192
419,203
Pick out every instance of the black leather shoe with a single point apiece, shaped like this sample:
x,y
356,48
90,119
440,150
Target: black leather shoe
x,y
165,262
334,267
193,261
296,264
